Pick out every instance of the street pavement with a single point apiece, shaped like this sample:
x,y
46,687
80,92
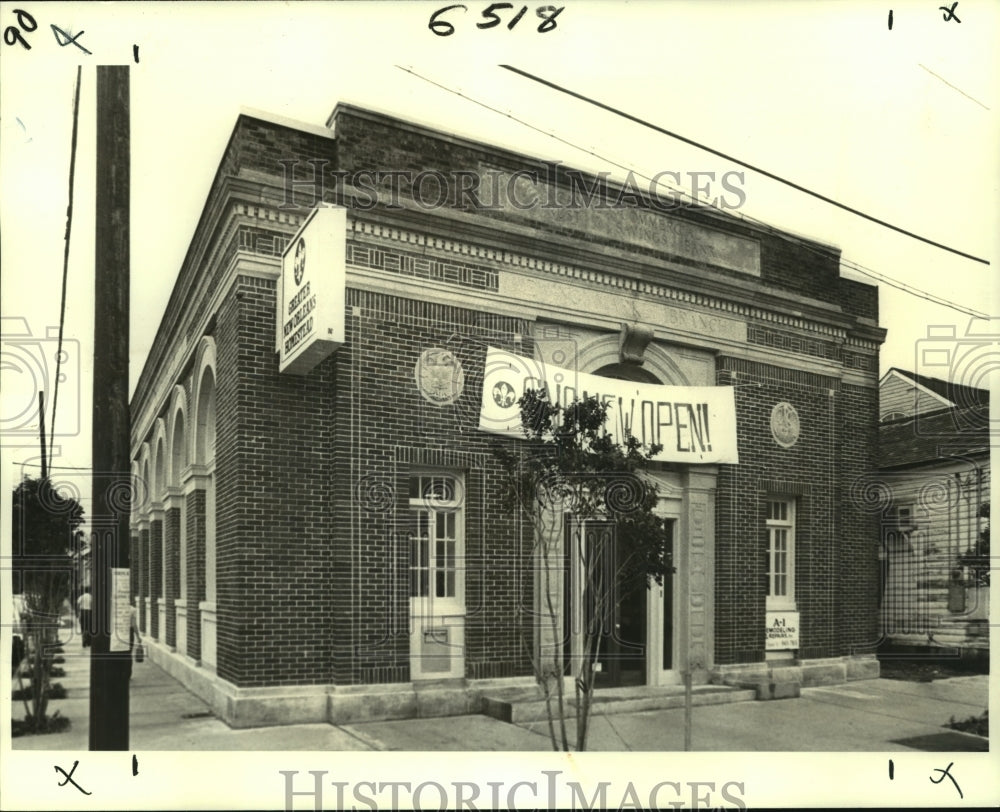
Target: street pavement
x,y
868,715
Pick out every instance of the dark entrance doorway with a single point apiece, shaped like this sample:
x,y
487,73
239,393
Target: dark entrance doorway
x,y
613,603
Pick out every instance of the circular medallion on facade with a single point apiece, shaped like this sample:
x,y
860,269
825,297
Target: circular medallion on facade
x,y
300,261
439,376
784,424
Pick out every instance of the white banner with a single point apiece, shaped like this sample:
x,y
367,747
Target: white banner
x,y
694,424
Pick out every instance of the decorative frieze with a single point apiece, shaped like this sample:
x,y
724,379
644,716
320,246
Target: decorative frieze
x,y
838,335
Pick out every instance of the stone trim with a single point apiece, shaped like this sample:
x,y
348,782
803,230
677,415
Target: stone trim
x,y
334,704
607,279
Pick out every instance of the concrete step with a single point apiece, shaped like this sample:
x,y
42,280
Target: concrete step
x,y
516,705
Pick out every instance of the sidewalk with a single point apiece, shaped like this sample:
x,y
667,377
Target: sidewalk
x,y
870,715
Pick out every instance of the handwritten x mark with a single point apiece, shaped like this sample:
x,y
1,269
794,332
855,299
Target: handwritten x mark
x,y
69,777
949,13
944,773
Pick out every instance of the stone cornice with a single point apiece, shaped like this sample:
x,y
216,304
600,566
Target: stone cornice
x,y
808,315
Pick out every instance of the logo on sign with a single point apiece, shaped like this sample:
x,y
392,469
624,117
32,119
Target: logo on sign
x,y
504,395
300,261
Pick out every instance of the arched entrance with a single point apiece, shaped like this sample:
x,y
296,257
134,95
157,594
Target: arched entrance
x,y
637,644
668,630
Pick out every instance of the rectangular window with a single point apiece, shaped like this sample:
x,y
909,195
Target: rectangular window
x,y
437,538
780,554
900,518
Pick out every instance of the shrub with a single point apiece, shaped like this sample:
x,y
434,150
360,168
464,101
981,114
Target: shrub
x,y
980,725
51,724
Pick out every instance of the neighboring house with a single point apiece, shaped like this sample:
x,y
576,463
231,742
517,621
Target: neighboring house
x,y
934,499
324,536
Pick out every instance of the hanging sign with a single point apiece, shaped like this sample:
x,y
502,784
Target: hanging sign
x,y
311,295
695,424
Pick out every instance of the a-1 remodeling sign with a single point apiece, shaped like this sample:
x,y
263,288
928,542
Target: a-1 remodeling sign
x,y
694,424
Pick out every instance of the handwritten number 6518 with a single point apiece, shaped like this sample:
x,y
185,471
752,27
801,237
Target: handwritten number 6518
x,y
12,34
443,28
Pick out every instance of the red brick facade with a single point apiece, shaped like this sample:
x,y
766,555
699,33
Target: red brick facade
x,y
312,525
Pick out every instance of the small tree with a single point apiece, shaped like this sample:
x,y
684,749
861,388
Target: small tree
x,y
571,469
45,528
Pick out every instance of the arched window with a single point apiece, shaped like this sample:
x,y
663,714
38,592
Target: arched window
x,y
178,462
205,455
160,483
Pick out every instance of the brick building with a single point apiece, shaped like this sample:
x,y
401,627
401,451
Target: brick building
x,y
322,537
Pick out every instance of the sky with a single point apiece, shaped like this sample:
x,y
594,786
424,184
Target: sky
x,y
899,122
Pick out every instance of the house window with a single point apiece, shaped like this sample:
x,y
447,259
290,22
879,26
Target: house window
x,y
780,554
897,525
890,416
437,539
902,518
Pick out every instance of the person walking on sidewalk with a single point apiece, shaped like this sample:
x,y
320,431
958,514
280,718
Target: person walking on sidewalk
x,y
135,649
83,606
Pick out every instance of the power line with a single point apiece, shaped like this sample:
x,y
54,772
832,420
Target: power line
x,y
760,224
53,467
919,293
69,228
753,168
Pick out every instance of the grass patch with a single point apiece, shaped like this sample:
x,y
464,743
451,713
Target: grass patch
x,y
980,725
923,670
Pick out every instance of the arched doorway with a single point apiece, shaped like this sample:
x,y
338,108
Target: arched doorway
x,y
178,464
204,457
637,643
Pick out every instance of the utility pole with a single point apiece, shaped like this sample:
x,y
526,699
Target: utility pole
x,y
110,665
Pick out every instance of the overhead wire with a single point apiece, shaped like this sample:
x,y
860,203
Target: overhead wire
x,y
65,274
51,467
757,223
798,187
